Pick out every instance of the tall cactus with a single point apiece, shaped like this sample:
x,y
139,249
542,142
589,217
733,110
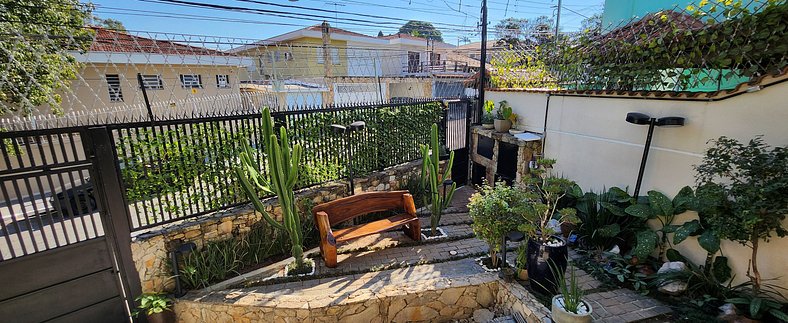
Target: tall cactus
x,y
431,179
283,172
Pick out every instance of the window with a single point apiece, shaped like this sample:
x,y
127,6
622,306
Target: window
x,y
413,62
113,83
191,80
334,55
152,82
222,81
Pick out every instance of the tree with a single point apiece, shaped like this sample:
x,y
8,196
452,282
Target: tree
x,y
380,33
110,23
34,51
525,32
747,185
421,29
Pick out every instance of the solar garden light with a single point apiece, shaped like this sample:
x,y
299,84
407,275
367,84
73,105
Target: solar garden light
x,y
183,248
513,236
446,183
642,119
347,130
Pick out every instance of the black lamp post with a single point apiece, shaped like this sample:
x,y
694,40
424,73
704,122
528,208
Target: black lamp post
x,y
446,183
180,250
642,119
514,236
347,130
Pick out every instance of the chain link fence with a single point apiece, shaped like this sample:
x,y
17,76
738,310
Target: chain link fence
x,y
708,47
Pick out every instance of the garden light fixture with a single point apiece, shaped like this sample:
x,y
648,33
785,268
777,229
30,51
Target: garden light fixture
x,y
182,249
642,119
347,130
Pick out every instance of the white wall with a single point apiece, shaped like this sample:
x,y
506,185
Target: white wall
x,y
598,149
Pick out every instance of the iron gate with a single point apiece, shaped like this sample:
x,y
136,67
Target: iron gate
x,y
457,121
63,216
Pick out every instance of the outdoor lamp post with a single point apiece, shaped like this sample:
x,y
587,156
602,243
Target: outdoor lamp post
x,y
446,183
180,250
514,236
347,130
642,119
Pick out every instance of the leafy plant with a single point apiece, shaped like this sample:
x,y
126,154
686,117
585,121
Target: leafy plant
x,y
282,177
603,221
495,212
661,208
521,262
504,112
487,117
152,303
570,290
708,281
758,306
432,179
544,193
216,261
625,272
746,186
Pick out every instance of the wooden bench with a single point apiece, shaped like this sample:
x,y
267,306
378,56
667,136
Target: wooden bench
x,y
329,214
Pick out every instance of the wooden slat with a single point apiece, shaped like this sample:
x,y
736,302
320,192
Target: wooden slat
x,y
110,310
350,207
60,299
43,269
373,227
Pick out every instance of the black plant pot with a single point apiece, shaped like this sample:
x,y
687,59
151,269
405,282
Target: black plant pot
x,y
540,270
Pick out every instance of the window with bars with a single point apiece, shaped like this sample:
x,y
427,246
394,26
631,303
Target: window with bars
x,y
223,81
191,81
113,85
152,82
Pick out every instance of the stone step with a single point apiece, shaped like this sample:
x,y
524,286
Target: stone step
x,y
392,239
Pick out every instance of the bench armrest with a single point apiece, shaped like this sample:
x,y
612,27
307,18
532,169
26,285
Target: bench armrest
x,y
408,204
324,228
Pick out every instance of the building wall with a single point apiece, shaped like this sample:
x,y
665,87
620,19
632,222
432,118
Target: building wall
x,y
91,91
598,149
304,59
619,12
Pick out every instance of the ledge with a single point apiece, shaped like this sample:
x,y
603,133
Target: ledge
x,y
502,136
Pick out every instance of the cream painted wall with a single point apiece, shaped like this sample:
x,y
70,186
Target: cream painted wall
x,y
597,148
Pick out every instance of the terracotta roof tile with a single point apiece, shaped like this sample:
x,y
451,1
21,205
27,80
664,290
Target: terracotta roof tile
x,y
114,41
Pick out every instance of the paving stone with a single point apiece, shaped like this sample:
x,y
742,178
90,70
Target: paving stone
x,y
624,305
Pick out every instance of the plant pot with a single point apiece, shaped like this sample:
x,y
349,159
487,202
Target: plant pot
x,y
508,274
163,317
439,234
488,125
560,315
540,271
502,125
522,274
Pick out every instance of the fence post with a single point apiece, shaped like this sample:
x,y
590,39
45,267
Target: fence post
x,y
112,201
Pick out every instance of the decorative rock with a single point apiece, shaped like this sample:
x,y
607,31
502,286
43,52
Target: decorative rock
x,y
483,315
672,266
367,315
673,288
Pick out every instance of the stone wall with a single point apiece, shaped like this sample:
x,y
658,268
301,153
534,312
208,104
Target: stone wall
x,y
416,303
525,151
150,250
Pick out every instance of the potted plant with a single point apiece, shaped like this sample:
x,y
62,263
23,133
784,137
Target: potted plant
x,y
568,306
156,306
487,116
285,165
504,117
542,218
521,262
432,179
496,210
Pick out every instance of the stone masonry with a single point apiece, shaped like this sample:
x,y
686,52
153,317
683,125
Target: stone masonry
x,y
525,151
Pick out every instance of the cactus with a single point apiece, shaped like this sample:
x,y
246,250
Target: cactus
x,y
431,179
283,174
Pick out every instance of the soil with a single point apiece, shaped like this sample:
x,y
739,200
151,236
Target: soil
x,y
487,262
307,268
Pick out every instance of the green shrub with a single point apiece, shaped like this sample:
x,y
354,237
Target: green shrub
x,y
603,221
495,212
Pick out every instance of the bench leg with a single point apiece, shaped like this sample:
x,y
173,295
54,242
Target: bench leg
x,y
413,230
329,252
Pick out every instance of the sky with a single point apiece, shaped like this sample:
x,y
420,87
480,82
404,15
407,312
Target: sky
x,y
455,18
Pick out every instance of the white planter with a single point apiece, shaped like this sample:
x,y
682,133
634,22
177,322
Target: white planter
x,y
479,261
560,315
441,234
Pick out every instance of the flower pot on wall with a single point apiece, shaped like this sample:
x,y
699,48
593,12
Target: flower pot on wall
x,y
488,125
540,257
502,125
561,315
522,274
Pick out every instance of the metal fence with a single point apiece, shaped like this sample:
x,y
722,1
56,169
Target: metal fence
x,y
708,47
174,170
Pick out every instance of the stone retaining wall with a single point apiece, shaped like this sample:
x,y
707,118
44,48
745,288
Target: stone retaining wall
x,y
150,250
395,304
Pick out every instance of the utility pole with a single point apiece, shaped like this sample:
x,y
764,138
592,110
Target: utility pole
x,y
326,49
557,20
483,58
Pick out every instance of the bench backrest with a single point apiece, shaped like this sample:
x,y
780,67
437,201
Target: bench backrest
x,y
350,207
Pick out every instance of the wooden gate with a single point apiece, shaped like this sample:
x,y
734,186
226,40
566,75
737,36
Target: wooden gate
x,y
65,252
